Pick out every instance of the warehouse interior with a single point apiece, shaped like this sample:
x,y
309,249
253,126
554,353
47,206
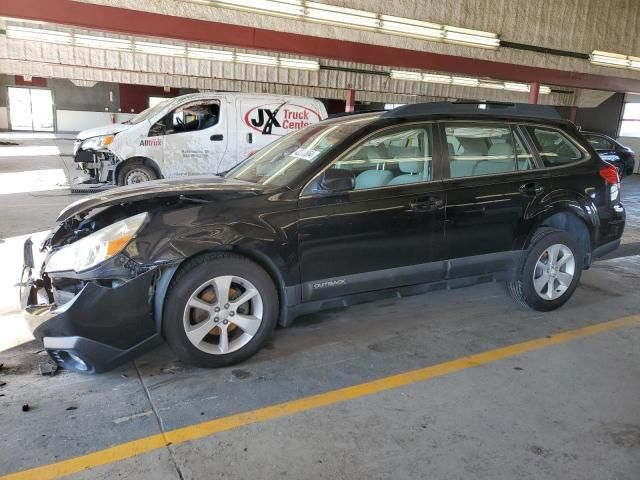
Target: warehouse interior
x,y
454,383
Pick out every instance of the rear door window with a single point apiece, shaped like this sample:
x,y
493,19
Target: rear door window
x,y
599,143
477,148
554,146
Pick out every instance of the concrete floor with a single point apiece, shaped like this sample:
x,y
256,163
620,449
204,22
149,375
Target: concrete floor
x,y
564,411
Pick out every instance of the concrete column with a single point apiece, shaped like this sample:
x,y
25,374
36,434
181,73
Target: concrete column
x,y
573,113
351,101
534,92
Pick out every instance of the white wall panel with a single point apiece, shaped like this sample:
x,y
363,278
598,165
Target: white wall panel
x,y
75,121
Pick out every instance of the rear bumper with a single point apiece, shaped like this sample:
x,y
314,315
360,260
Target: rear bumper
x,y
98,328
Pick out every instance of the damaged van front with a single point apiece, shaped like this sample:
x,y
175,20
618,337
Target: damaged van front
x,y
93,155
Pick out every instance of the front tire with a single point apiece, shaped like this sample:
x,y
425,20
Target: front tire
x,y
220,309
549,272
135,172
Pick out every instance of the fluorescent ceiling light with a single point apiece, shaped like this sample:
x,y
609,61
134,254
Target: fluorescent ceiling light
x,y
299,64
324,13
38,35
274,7
160,49
208,54
407,26
634,63
404,75
465,81
516,87
544,90
354,18
106,43
251,59
609,59
435,78
474,38
492,85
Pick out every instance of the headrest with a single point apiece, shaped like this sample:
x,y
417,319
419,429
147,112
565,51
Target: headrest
x,y
410,166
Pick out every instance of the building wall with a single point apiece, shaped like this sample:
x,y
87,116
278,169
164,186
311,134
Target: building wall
x,y
135,98
101,97
604,118
81,107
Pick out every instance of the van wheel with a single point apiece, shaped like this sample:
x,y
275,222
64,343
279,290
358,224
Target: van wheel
x,y
135,172
219,310
549,272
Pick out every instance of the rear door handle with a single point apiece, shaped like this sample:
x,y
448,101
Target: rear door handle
x,y
427,204
216,138
531,189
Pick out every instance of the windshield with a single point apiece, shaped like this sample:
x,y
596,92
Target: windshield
x,y
151,112
283,160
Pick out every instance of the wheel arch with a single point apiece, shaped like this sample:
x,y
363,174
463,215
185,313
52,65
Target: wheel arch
x,y
578,226
262,260
146,161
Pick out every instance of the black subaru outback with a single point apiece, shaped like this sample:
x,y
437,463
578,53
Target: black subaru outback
x,y
350,209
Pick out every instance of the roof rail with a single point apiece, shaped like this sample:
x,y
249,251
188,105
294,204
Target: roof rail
x,y
518,110
348,114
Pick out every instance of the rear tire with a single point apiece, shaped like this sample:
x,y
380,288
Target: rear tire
x,y
549,272
135,172
220,309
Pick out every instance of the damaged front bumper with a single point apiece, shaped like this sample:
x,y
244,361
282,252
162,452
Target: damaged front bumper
x,y
96,324
98,167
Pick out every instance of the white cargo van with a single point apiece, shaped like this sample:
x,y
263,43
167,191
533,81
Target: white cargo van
x,y
192,134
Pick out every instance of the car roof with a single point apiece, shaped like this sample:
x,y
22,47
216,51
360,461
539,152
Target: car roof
x,y
460,110
480,109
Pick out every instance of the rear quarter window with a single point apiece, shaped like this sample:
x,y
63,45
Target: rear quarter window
x,y
555,147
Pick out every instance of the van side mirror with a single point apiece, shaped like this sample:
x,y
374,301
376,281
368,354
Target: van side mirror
x,y
338,180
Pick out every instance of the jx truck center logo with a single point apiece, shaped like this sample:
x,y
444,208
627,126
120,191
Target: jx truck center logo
x,y
280,119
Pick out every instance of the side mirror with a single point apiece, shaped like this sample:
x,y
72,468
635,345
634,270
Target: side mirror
x,y
337,180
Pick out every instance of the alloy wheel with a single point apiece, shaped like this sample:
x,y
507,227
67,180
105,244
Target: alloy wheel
x,y
223,314
554,272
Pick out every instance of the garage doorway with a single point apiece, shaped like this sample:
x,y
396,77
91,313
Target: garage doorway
x,y
31,109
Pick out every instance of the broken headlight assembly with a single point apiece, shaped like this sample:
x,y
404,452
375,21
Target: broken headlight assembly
x,y
97,247
97,143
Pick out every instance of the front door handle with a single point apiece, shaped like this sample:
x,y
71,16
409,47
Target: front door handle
x,y
531,189
428,204
218,137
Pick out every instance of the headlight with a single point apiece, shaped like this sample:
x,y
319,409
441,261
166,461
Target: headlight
x,y
97,143
94,249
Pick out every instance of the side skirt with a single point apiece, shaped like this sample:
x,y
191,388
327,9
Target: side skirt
x,y
400,282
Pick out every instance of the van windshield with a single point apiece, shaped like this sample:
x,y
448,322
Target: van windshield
x,y
152,111
283,160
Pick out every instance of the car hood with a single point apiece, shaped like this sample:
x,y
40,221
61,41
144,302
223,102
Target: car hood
x,y
194,185
104,130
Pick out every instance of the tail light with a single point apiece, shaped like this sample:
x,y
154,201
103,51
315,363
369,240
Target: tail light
x,y
612,179
610,175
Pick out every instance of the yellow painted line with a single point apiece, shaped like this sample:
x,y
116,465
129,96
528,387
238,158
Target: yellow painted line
x,y
185,434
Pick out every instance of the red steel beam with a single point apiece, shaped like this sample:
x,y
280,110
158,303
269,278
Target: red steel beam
x,y
534,92
133,22
350,101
